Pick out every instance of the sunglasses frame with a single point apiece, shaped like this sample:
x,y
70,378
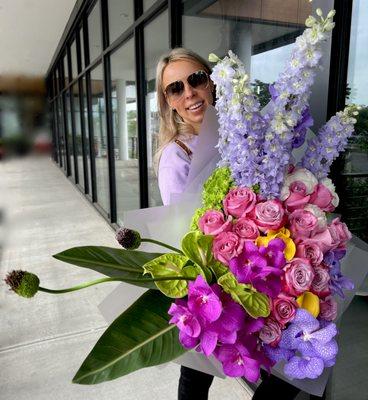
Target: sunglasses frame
x,y
182,81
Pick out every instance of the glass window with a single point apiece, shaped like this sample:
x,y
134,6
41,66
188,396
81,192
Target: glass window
x,y
147,4
355,176
121,16
61,131
78,134
100,138
94,32
124,112
73,53
81,41
156,35
66,70
69,133
87,143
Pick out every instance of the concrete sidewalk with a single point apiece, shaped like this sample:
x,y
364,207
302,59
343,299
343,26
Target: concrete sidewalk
x,y
43,341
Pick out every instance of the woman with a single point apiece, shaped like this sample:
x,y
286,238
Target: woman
x,y
184,91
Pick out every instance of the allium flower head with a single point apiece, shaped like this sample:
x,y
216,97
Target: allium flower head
x,y
128,238
23,283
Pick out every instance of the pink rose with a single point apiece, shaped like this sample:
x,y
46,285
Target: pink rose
x,y
297,198
269,215
324,196
239,202
271,332
309,249
328,309
302,223
298,277
213,222
326,240
340,231
320,284
284,308
226,246
246,228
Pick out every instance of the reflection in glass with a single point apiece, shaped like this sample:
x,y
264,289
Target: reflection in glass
x,y
86,130
81,41
355,175
156,43
121,16
73,53
66,70
124,109
69,133
61,132
94,32
100,138
78,134
147,4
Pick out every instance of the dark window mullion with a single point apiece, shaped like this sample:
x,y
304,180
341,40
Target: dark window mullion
x,y
175,23
75,151
83,132
64,117
141,114
108,110
89,111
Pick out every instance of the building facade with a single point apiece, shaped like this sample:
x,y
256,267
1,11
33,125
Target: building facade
x,y
101,86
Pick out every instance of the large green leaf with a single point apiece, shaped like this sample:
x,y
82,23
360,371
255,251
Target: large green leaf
x,y
256,304
140,337
110,261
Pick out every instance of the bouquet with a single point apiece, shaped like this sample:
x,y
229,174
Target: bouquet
x,y
255,279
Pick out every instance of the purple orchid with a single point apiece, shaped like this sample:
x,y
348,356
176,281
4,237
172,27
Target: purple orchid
x,y
261,267
338,281
187,322
312,343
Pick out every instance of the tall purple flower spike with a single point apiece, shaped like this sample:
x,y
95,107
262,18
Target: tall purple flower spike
x,y
312,343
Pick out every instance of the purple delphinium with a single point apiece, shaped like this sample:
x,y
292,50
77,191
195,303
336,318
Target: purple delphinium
x,y
332,138
305,122
312,342
338,281
261,267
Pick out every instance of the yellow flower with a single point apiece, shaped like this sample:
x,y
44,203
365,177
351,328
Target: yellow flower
x,y
309,302
283,234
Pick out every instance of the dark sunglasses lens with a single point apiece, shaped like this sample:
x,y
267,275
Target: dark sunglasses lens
x,y
175,89
198,79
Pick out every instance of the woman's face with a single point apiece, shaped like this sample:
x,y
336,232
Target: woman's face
x,y
192,104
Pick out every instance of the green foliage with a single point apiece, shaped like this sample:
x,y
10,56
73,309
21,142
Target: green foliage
x,y
110,261
140,337
216,188
262,92
168,265
255,304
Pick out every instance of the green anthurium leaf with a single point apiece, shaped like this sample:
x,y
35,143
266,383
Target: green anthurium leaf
x,y
140,337
219,269
110,261
255,304
198,248
171,264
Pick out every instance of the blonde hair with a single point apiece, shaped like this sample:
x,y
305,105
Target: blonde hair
x,y
171,123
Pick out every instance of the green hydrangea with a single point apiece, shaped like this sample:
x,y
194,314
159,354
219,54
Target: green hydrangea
x,y
216,188
198,214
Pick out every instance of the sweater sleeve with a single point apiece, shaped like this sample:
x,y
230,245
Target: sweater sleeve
x,y
173,171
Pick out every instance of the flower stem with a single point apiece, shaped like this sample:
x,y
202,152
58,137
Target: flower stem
x,y
161,244
115,279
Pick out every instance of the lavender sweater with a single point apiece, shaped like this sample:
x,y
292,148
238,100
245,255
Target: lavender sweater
x,y
173,168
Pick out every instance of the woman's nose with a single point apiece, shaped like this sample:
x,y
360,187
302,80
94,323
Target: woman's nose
x,y
188,90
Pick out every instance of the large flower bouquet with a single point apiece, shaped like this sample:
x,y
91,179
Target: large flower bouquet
x,y
255,278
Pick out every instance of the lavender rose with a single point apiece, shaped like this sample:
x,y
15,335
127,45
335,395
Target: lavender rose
x,y
271,332
310,250
246,228
213,222
298,277
340,231
320,284
328,309
302,223
269,215
239,202
226,246
284,308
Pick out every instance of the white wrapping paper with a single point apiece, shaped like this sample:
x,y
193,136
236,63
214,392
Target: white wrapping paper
x,y
170,223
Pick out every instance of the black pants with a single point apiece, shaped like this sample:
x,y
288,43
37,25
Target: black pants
x,y
194,385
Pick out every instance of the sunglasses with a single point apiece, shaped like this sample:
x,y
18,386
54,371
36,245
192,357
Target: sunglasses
x,y
197,80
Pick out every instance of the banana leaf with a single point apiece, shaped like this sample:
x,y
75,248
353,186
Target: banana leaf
x,y
140,337
110,261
